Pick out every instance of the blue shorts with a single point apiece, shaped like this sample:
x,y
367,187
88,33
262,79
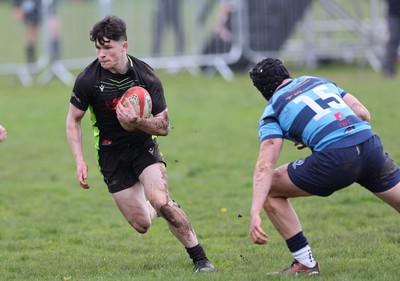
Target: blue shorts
x,y
325,172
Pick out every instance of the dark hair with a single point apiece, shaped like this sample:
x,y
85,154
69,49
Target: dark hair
x,y
267,75
111,27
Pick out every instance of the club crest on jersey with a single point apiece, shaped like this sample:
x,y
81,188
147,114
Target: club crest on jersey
x,y
339,116
298,162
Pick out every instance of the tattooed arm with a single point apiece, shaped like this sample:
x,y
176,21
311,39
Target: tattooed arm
x,y
157,125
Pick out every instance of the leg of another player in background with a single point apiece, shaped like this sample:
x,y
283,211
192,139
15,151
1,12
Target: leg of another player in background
x,y
159,26
176,22
54,25
390,62
31,42
284,218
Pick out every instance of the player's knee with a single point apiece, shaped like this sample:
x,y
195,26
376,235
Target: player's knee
x,y
279,175
160,205
141,228
280,183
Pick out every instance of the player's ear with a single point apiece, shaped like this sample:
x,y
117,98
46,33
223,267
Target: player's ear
x,y
125,45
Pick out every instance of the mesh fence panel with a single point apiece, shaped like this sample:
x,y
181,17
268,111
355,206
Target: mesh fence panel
x,y
220,35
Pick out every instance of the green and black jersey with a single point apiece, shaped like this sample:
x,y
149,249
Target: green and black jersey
x,y
99,90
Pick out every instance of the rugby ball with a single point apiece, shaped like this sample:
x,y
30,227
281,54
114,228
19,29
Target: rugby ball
x,y
140,98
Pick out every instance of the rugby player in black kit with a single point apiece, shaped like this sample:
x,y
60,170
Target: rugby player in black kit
x,y
131,163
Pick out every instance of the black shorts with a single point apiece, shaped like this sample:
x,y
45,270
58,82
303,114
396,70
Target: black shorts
x,y
325,172
121,167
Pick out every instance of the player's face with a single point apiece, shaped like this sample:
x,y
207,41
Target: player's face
x,y
111,54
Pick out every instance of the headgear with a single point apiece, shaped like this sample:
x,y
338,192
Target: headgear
x,y
267,75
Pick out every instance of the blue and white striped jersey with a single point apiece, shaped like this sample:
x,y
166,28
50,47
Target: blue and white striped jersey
x,y
311,110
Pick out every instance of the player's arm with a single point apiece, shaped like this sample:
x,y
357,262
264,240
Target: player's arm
x,y
262,180
156,125
358,108
74,135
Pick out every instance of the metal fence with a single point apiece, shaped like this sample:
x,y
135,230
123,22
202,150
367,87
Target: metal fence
x,y
200,36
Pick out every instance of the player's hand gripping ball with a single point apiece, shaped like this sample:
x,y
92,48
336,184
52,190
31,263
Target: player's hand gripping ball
x,y
141,101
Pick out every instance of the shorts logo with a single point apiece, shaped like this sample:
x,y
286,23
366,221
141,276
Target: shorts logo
x,y
113,182
298,163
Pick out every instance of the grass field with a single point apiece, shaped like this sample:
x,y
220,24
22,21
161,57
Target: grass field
x,y
51,229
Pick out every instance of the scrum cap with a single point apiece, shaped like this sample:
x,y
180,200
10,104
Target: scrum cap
x,y
267,75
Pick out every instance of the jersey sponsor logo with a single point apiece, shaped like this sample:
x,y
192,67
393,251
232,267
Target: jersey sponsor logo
x,y
346,123
303,87
297,92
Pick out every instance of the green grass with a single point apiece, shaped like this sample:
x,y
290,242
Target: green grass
x,y
51,229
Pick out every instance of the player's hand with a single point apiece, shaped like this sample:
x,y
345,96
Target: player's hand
x,y
126,113
257,234
82,174
299,145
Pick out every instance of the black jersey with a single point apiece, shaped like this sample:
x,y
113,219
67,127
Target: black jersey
x,y
99,90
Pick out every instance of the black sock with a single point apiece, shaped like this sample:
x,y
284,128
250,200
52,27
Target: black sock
x,y
297,242
30,54
196,253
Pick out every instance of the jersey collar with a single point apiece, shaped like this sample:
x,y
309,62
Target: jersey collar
x,y
130,61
